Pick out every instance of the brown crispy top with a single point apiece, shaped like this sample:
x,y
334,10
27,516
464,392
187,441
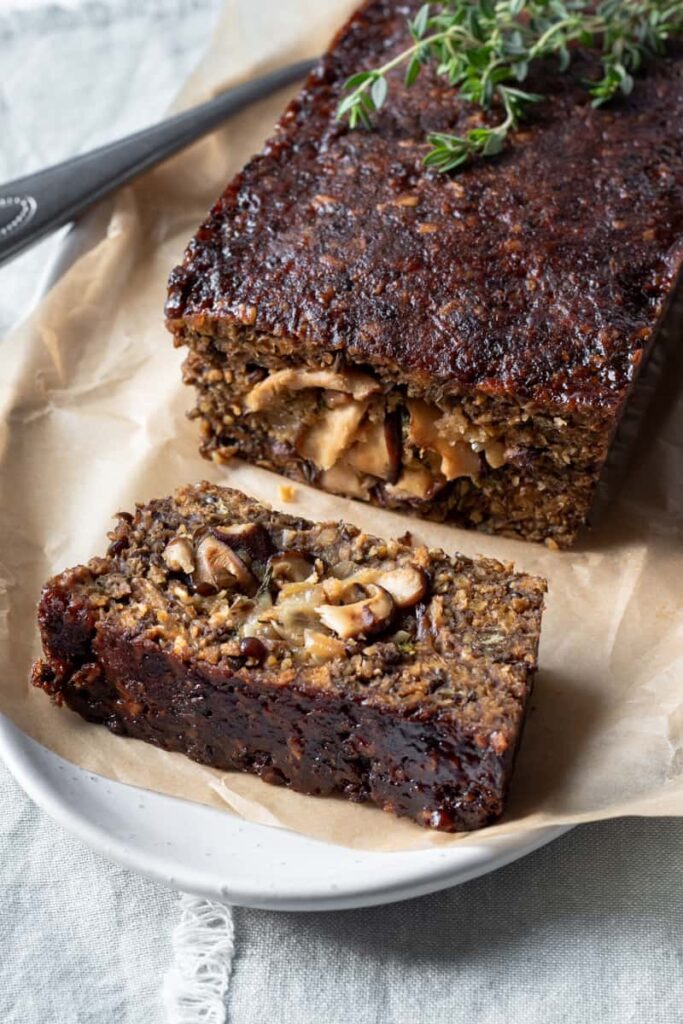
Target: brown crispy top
x,y
539,274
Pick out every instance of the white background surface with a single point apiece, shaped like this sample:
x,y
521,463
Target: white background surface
x,y
586,930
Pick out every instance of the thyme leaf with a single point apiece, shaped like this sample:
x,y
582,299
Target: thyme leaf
x,y
484,49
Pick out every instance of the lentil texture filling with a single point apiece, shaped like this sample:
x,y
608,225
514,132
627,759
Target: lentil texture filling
x,y
312,654
518,298
312,594
374,434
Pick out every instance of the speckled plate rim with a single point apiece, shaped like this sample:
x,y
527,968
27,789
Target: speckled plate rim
x,y
212,853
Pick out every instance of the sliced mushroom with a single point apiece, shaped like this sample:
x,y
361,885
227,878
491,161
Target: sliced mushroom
x,y
292,618
416,481
291,566
421,430
304,589
495,454
366,616
348,574
347,585
342,479
256,622
378,450
457,458
321,647
407,585
294,611
345,591
460,460
334,398
351,382
331,434
343,569
251,541
179,555
218,565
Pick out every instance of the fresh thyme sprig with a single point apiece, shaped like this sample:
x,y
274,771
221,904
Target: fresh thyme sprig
x,y
484,48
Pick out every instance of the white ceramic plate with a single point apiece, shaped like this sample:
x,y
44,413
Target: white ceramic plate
x,y
208,852
212,853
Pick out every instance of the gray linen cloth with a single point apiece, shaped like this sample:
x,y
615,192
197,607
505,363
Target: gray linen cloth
x,y
585,931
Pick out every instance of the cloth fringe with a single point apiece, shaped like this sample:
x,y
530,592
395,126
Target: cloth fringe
x,y
195,987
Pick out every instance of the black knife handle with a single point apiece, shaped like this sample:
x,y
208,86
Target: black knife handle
x,y
32,207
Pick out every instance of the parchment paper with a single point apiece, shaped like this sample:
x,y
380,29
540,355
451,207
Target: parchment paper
x,y
93,420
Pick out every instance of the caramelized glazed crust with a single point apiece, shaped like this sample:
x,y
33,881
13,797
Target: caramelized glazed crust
x,y
538,276
417,708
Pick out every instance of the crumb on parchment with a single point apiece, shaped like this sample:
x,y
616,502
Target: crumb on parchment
x,y
287,492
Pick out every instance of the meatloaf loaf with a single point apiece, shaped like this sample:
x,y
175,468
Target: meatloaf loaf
x,y
313,655
458,346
